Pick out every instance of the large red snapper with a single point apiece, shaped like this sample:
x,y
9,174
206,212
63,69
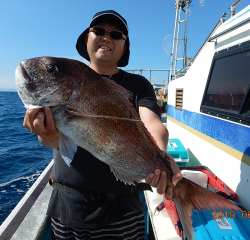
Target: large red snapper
x,y
96,114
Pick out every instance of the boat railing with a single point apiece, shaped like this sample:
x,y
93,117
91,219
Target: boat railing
x,y
150,77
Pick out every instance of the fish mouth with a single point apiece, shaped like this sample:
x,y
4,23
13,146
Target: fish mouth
x,y
21,71
24,78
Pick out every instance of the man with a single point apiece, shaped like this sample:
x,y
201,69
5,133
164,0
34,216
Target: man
x,y
87,201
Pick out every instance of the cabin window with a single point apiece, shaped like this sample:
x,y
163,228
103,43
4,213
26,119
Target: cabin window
x,y
227,90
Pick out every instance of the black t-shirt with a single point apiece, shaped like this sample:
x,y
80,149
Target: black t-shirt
x,y
87,172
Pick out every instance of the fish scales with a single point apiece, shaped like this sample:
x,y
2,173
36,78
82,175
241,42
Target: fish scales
x,y
96,114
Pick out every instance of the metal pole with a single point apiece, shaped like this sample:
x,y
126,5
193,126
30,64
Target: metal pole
x,y
185,39
172,54
176,47
150,75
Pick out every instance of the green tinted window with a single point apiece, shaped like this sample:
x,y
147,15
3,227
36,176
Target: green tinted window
x,y
229,82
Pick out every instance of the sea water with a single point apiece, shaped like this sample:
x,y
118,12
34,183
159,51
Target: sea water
x,y
22,157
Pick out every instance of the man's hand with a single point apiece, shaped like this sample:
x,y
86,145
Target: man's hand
x,y
41,123
159,179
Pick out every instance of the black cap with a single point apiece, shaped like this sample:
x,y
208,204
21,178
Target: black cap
x,y
105,16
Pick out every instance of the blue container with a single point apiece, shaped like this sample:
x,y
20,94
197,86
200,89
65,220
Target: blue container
x,y
221,225
178,152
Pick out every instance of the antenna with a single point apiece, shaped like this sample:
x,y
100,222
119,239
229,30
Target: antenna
x,y
167,45
179,7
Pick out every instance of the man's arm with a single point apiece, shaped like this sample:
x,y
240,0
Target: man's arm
x,y
160,133
155,126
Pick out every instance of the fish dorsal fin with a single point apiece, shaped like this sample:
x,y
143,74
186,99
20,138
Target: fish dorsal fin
x,y
126,95
67,148
123,93
123,177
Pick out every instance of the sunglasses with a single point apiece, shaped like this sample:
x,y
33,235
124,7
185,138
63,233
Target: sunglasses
x,y
100,31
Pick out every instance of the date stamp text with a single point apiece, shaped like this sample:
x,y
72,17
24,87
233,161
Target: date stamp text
x,y
231,214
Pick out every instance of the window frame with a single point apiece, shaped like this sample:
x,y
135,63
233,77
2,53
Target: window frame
x,y
241,116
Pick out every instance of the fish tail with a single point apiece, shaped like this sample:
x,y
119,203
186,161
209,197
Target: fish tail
x,y
188,195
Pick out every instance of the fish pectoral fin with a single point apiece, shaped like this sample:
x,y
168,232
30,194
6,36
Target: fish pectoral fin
x,y
191,196
67,147
123,176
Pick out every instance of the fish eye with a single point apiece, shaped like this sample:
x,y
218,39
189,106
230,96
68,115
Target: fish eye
x,y
51,69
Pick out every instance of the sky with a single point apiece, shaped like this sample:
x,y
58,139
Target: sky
x,y
38,28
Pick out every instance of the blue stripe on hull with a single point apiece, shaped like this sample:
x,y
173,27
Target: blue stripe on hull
x,y
234,135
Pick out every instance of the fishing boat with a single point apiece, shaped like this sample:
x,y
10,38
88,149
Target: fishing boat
x,y
209,104
208,110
